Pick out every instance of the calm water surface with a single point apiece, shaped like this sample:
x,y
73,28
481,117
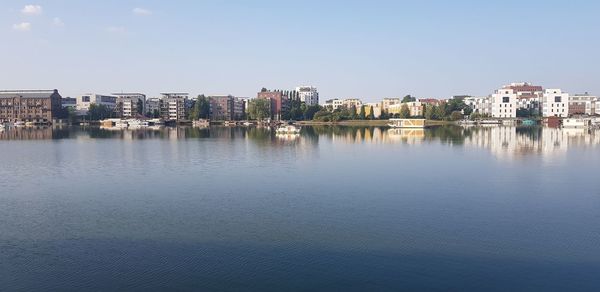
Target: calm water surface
x,y
366,209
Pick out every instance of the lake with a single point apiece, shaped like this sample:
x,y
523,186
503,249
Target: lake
x,y
334,208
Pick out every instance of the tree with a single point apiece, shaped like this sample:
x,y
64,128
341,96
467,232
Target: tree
x,y
361,114
371,113
408,98
259,109
98,112
456,115
430,112
264,89
140,107
155,114
467,110
310,111
353,115
404,112
201,109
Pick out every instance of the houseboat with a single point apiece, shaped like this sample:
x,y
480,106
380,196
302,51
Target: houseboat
x,y
407,123
577,123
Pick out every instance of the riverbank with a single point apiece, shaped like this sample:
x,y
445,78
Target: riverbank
x,y
366,123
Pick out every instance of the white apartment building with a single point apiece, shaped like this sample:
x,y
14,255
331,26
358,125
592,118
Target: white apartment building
x,y
481,105
388,101
84,101
352,102
334,104
504,103
308,95
583,104
555,103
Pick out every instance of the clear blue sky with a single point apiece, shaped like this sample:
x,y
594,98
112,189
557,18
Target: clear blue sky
x,y
365,49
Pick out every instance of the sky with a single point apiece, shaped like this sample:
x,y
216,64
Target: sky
x,y
364,49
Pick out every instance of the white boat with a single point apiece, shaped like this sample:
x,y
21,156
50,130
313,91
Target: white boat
x,y
247,124
288,129
201,123
137,123
489,122
121,124
407,123
19,124
577,123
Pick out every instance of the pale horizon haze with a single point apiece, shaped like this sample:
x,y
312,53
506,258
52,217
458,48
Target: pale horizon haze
x,y
363,49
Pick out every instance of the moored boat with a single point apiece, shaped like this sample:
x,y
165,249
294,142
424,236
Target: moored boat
x,y
288,129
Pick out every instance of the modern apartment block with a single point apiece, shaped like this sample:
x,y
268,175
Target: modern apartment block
x,y
415,108
555,103
481,105
174,106
279,102
583,104
352,102
39,106
504,103
84,101
333,104
308,95
153,106
226,107
129,105
388,101
69,102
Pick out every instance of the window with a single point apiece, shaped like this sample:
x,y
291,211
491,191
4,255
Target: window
x,y
85,98
506,99
557,99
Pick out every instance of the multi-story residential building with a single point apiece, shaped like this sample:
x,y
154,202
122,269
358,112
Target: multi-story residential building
x,y
352,102
153,106
481,105
308,95
69,102
129,105
504,103
415,108
555,103
580,104
39,106
227,107
279,102
84,101
334,104
528,96
375,107
173,106
386,102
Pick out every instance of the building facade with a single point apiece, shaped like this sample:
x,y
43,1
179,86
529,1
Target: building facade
x,y
480,105
69,102
39,106
333,104
308,94
388,101
130,105
504,103
279,102
583,104
84,102
153,106
555,103
173,107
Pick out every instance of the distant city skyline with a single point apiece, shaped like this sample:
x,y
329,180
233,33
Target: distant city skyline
x,y
368,50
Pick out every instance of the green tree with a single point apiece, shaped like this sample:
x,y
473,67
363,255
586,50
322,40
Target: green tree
x,y
98,112
456,115
371,113
430,112
310,111
259,109
140,107
404,112
353,115
408,98
361,114
156,114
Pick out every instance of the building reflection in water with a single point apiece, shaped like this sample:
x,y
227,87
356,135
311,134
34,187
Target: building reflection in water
x,y
504,142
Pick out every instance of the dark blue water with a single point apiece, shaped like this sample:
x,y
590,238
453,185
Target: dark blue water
x,y
339,209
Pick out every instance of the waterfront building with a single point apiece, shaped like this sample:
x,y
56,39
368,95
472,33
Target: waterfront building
x,y
84,102
481,105
580,104
38,106
153,106
129,105
528,96
69,102
308,94
415,108
430,101
173,106
388,101
555,103
352,102
504,103
334,104
279,102
226,107
375,107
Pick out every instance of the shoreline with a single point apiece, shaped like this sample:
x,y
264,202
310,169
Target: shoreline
x,y
367,123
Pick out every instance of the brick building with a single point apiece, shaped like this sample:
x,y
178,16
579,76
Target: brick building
x,y
39,106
